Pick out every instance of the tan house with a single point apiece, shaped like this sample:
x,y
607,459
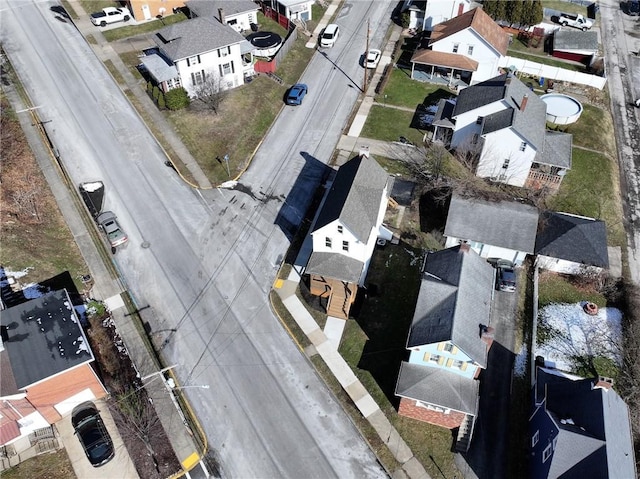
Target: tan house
x,y
46,370
345,234
149,9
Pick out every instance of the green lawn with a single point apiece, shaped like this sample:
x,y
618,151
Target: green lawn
x,y
554,288
589,190
374,345
401,90
564,6
583,130
388,124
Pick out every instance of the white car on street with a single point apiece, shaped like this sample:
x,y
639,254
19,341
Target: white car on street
x,y
372,58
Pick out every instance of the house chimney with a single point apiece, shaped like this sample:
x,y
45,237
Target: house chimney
x,y
523,104
464,247
364,152
603,383
221,15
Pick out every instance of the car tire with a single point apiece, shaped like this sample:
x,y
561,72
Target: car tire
x,y
103,23
127,18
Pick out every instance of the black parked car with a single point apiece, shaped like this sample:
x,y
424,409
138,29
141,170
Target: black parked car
x,y
633,7
506,276
92,434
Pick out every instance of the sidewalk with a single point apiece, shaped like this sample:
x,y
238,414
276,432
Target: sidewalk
x,y
104,52
327,349
106,287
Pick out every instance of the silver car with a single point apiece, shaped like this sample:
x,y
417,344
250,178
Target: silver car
x,y
109,224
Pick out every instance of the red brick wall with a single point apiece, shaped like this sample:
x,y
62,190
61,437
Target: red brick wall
x,y
409,408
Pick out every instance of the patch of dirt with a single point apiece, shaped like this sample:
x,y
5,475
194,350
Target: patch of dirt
x,y
120,379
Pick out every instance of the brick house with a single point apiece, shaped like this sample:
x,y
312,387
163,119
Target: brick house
x,y
446,343
46,366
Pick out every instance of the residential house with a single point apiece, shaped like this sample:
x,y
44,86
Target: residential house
x,y
294,9
465,50
579,428
195,51
238,14
446,347
149,9
571,244
503,124
575,45
493,229
46,366
346,231
426,14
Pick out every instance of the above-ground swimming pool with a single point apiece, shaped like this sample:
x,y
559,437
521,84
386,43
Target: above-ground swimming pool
x,y
562,109
266,44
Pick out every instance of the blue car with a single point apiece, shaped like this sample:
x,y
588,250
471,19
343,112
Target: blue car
x,y
296,94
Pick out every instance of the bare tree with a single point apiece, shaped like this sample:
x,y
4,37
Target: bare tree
x,y
136,417
210,92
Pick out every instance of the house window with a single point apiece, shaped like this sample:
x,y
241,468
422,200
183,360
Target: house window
x,y
340,229
193,60
448,347
223,52
436,358
546,454
475,139
534,439
197,78
327,242
455,47
232,22
345,246
479,120
226,69
523,146
505,165
470,50
457,364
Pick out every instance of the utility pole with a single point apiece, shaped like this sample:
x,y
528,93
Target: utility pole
x,y
366,53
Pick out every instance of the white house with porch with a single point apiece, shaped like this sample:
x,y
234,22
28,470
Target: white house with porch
x,y
196,50
346,232
467,48
426,14
503,124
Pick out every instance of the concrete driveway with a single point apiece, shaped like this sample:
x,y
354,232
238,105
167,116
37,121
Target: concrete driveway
x,y
120,466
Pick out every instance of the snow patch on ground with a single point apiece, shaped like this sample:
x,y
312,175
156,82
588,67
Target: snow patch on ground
x,y
520,363
575,333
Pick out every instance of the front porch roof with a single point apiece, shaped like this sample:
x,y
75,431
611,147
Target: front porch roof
x,y
445,60
158,68
335,265
439,387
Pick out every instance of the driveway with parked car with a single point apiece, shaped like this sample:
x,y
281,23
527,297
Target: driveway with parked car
x,y
119,466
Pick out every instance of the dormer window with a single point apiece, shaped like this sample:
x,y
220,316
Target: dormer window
x,y
455,47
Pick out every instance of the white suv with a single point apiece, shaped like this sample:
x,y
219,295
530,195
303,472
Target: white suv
x,y
329,36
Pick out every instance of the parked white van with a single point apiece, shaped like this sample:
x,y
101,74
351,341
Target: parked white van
x,y
329,36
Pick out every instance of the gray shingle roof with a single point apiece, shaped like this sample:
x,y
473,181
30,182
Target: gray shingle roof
x,y
573,238
209,8
530,122
194,37
567,40
438,386
454,300
45,338
557,150
355,197
599,440
335,265
506,224
159,68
